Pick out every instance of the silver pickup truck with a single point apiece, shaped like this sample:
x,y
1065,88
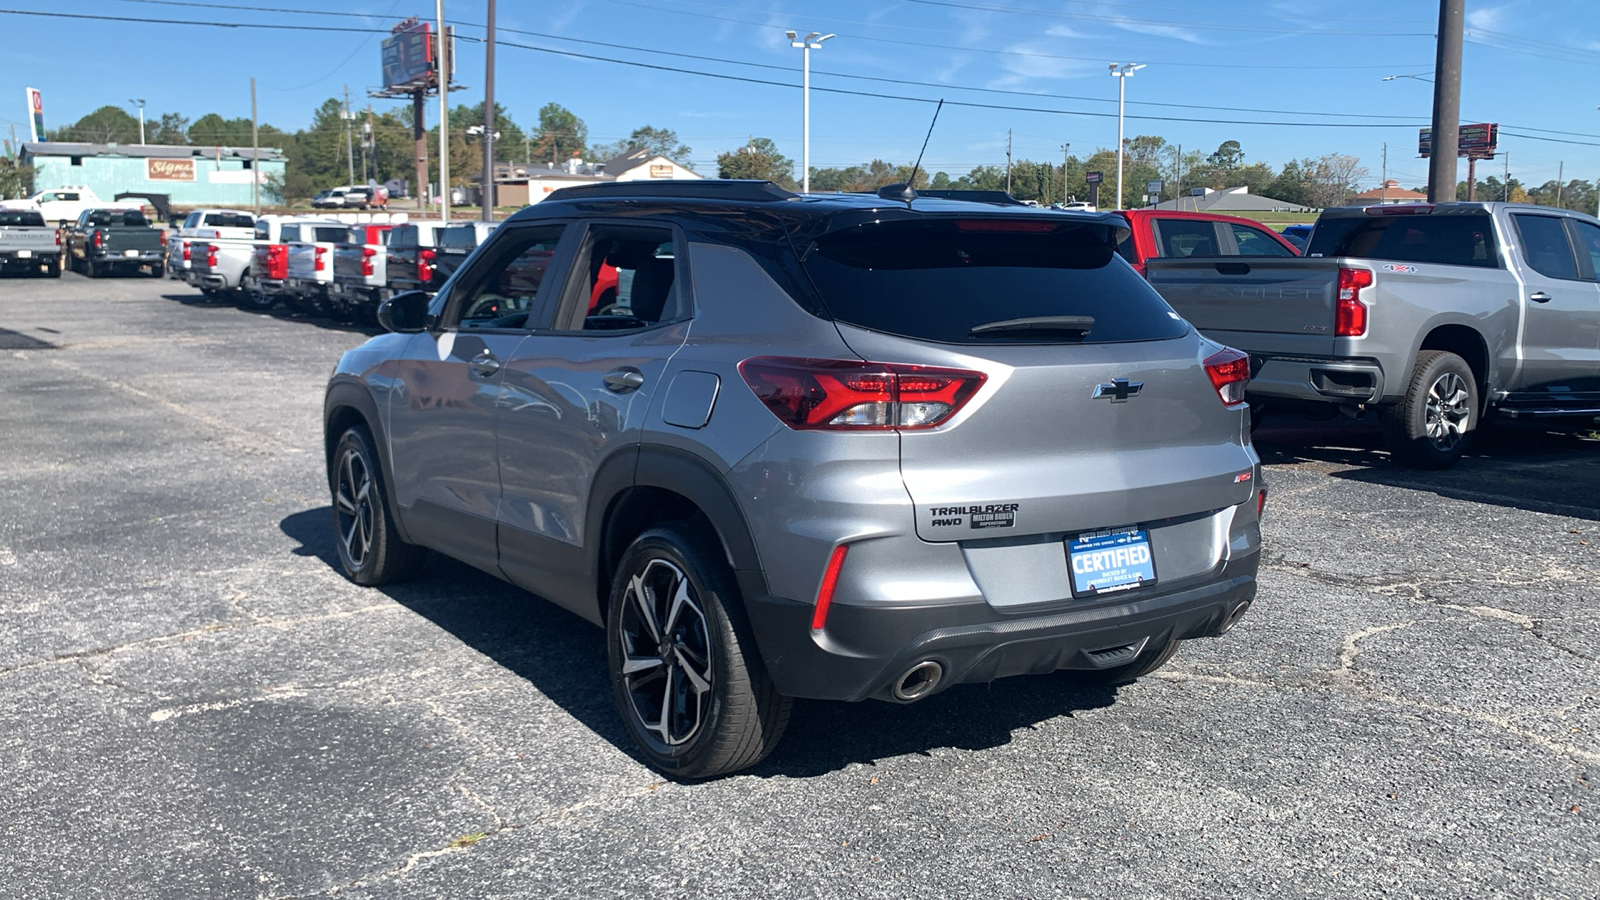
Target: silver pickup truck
x,y
1431,315
27,244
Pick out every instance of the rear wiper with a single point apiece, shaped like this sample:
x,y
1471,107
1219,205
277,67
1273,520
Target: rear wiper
x,y
1036,325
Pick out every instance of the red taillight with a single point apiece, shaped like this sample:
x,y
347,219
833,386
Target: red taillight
x,y
425,266
185,251
1261,501
851,395
98,240
211,256
58,237
1400,209
830,580
367,253
1229,371
163,237
277,261
1013,226
319,263
1350,319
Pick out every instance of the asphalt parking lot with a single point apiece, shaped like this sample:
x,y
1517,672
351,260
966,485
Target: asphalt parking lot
x,y
194,703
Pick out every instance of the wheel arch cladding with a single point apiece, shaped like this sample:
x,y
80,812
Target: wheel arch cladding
x,y
674,486
1467,343
346,406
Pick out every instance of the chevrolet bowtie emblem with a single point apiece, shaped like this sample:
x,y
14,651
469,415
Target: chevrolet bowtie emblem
x,y
1118,389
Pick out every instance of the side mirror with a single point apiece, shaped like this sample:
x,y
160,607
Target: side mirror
x,y
405,313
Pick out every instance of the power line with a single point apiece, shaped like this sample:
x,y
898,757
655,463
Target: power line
x,y
1129,20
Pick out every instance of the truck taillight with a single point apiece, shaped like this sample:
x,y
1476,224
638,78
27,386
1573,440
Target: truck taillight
x,y
58,237
1229,371
1350,317
367,253
425,267
185,251
211,256
319,263
98,240
277,261
850,395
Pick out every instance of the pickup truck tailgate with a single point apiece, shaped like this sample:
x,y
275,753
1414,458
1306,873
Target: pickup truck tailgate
x,y
1233,299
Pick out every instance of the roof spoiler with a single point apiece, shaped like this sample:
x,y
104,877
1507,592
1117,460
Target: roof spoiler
x,y
747,190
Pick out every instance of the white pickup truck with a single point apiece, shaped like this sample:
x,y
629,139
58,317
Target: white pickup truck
x,y
190,255
65,204
310,269
269,266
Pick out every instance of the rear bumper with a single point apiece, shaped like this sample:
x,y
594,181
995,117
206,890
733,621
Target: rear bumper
x,y
1316,380
33,257
865,650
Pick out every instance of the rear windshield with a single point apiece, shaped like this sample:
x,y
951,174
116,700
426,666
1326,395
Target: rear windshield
x,y
328,234
458,238
1420,238
113,217
17,217
229,220
937,280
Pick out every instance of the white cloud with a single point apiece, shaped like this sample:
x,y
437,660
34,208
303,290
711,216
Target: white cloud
x,y
1487,18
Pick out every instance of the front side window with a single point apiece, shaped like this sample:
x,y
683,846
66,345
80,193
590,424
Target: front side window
x,y
1184,237
1545,246
631,272
1255,242
512,293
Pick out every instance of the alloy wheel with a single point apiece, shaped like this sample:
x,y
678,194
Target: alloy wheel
x,y
666,653
1448,411
353,499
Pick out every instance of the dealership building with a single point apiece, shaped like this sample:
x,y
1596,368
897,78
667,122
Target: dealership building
x,y
190,176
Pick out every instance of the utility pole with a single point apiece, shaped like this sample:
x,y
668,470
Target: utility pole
x,y
1065,157
1383,186
1008,160
1561,176
444,118
1507,197
255,151
1446,131
369,149
349,145
488,117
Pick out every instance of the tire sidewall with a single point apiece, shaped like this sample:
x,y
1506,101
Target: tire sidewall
x,y
1409,421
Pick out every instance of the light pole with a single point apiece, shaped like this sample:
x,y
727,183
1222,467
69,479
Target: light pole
x,y
442,66
1121,73
1420,76
140,104
810,42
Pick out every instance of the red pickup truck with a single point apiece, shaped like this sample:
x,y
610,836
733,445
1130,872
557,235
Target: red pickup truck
x,y
1166,233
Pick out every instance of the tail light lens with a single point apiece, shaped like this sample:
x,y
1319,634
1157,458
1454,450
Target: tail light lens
x,y
1261,502
98,240
1229,371
58,237
185,251
211,256
850,395
277,262
830,580
425,266
320,265
1350,318
367,253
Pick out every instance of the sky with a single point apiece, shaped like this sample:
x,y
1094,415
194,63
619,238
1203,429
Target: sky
x,y
1285,79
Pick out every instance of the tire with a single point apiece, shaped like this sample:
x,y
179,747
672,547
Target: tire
x,y
91,268
1150,659
1430,428
53,270
158,271
369,546
677,616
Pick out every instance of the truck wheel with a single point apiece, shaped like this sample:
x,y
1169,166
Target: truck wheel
x,y
691,688
1430,427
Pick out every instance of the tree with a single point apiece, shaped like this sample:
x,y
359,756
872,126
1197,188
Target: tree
x,y
103,126
1291,184
16,179
758,159
512,143
656,141
560,135
170,128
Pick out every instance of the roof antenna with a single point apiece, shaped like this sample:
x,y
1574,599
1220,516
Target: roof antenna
x,y
910,193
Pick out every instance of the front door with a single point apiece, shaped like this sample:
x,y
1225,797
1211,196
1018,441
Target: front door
x,y
577,394
1561,334
449,389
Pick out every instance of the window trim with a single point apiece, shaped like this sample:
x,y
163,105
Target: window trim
x,y
1266,235
454,294
574,297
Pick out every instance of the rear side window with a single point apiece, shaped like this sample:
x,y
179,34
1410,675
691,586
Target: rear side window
x,y
1442,239
21,217
1589,243
1545,246
1184,237
937,280
1255,242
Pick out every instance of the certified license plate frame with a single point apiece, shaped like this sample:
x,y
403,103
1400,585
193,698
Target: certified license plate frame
x,y
1140,571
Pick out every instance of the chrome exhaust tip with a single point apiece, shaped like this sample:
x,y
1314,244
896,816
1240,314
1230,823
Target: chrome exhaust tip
x,y
1233,618
919,681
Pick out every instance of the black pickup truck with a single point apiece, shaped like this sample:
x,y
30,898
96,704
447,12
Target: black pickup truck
x,y
106,241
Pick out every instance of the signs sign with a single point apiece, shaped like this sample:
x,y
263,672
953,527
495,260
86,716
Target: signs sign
x,y
35,115
169,169
1092,177
408,55
1152,187
657,170
1475,141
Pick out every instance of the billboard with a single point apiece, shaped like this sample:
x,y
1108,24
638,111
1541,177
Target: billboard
x,y
1476,141
1092,177
35,114
408,55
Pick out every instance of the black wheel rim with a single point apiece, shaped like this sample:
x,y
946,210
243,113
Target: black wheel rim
x,y
666,654
1448,411
352,501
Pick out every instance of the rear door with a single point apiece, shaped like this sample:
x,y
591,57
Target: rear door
x,y
1561,331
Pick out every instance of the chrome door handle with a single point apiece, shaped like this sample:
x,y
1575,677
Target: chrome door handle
x,y
485,364
624,379
1539,297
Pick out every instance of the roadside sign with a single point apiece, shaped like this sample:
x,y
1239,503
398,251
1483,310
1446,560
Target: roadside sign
x,y
35,114
1092,177
1152,187
1475,141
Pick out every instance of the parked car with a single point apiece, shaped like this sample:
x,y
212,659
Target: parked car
x,y
108,241
412,250
332,198
310,271
1079,206
67,203
360,273
1156,233
1432,315
816,469
27,244
269,261
1298,235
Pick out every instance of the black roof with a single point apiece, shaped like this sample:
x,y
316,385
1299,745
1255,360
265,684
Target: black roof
x,y
763,203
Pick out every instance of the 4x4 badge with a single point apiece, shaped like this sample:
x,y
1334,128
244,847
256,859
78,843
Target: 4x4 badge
x,y
1118,389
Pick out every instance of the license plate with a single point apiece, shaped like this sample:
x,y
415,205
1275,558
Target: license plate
x,y
1105,562
24,254
130,253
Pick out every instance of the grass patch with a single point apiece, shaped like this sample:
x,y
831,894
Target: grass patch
x,y
467,840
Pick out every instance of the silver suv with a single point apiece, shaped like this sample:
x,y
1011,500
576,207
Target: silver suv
x,y
825,446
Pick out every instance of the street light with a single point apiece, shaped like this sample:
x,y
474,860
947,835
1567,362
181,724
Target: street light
x,y
1121,73
1420,76
140,104
810,42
